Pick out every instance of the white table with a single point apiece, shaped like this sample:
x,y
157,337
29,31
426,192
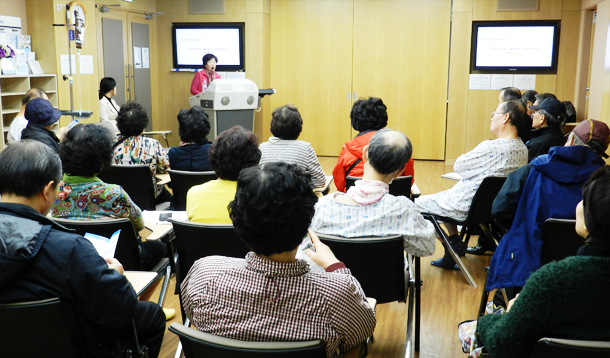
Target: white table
x,y
140,280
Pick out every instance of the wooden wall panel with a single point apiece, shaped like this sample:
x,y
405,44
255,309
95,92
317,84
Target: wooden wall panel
x,y
311,67
412,84
566,67
486,10
598,60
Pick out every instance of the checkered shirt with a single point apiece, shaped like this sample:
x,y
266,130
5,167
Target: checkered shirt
x,y
257,299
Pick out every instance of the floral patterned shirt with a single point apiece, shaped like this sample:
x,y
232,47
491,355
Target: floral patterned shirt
x,y
82,198
142,150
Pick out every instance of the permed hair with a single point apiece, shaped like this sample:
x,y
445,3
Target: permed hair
x,y
86,150
596,206
232,151
273,207
387,155
194,125
26,167
369,114
286,122
132,119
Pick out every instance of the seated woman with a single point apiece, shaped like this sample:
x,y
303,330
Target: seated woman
x,y
565,299
192,153
286,125
232,151
131,147
85,151
271,295
368,116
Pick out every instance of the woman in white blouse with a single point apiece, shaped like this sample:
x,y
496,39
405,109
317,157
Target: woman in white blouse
x,y
109,109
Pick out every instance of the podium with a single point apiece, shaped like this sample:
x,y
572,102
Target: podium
x,y
228,103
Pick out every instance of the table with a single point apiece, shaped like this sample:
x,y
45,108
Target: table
x,y
140,280
164,178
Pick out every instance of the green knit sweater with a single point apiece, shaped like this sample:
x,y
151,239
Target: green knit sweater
x,y
567,299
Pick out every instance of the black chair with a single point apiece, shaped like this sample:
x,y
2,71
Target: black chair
x,y
198,344
127,250
569,348
399,186
48,328
379,265
182,181
136,180
479,216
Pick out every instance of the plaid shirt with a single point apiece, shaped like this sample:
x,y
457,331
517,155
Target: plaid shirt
x,y
257,299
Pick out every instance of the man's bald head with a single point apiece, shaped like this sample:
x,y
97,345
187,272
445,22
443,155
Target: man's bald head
x,y
389,151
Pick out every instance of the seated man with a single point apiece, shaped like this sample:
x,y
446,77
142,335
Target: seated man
x,y
270,295
367,209
546,133
19,122
498,157
41,259
549,187
41,117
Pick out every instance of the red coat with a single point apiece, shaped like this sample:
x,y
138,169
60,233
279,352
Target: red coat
x,y
351,152
200,82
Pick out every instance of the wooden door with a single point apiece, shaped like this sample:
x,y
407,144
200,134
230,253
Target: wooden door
x,y
311,57
401,55
112,49
138,40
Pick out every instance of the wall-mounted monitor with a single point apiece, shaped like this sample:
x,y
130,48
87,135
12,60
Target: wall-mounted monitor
x,y
191,41
515,46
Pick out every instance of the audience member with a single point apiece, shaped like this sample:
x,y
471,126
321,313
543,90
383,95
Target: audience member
x,y
368,210
131,147
19,122
368,116
498,157
542,96
565,299
528,98
232,151
286,125
570,112
509,94
85,151
109,109
41,116
270,295
41,259
192,153
547,118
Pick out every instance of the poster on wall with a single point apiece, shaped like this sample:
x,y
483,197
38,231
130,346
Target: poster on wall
x,y
137,57
78,20
145,57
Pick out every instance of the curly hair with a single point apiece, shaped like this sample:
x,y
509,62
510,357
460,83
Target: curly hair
x,y
286,122
273,207
369,114
132,119
86,150
232,151
194,125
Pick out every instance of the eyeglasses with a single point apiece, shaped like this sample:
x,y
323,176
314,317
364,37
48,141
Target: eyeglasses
x,y
494,113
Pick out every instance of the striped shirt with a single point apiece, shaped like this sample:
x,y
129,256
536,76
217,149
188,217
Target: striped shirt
x,y
294,152
257,299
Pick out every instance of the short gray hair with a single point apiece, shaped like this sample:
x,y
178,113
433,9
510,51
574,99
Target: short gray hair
x,y
386,155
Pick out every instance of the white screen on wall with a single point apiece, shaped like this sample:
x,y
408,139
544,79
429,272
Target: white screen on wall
x,y
521,46
192,44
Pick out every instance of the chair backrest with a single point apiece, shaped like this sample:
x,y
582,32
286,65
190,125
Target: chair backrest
x,y
127,249
559,240
182,181
136,180
198,344
399,186
195,240
569,348
480,209
377,262
45,328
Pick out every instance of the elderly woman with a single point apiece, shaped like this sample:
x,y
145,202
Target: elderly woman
x,y
85,151
546,121
192,153
286,125
204,78
565,299
368,116
232,151
131,147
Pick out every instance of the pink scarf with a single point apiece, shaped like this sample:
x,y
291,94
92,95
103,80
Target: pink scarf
x,y
366,192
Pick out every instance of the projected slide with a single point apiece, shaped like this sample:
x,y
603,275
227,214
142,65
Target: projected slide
x,y
515,46
192,44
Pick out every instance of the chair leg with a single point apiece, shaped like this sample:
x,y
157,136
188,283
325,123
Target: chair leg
x,y
505,297
418,284
491,237
178,354
455,256
168,273
484,296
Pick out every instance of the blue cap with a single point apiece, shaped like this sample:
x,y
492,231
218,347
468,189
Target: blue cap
x,y
40,111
